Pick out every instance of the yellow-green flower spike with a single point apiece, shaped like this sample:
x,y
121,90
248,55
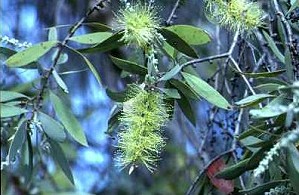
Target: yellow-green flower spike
x,y
139,23
140,141
235,14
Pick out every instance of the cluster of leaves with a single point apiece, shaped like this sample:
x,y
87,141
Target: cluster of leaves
x,y
273,111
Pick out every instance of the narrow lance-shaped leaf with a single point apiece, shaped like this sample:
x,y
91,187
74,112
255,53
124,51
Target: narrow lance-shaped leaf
x,y
59,157
273,47
206,91
129,66
89,64
178,43
30,54
264,74
253,99
59,81
191,34
170,74
11,95
68,119
293,166
52,35
187,109
184,88
92,38
9,111
112,42
18,140
51,127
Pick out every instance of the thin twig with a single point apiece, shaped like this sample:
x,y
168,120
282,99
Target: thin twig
x,y
172,13
290,43
73,29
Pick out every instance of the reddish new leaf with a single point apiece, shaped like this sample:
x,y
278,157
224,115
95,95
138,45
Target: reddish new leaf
x,y
225,186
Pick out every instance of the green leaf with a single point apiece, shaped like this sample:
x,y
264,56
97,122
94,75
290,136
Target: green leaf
x,y
99,27
261,189
112,42
264,74
293,166
89,64
18,140
178,43
268,87
9,111
191,34
273,47
185,89
68,119
170,74
233,171
30,54
121,96
59,157
59,81
253,99
113,121
92,38
271,110
249,141
206,91
51,127
289,66
171,93
11,95
187,109
52,35
129,66
168,50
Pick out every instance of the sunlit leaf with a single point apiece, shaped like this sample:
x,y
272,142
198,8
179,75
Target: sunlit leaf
x,y
185,89
9,111
112,42
271,110
171,93
273,47
30,54
67,118
206,91
51,127
191,34
178,43
59,81
52,35
11,95
170,74
253,99
92,38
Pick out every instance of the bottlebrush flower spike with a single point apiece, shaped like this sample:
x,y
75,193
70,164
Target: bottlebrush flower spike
x,y
242,14
140,141
139,23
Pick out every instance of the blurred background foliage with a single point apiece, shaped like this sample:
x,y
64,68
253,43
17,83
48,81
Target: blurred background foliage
x,y
189,147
